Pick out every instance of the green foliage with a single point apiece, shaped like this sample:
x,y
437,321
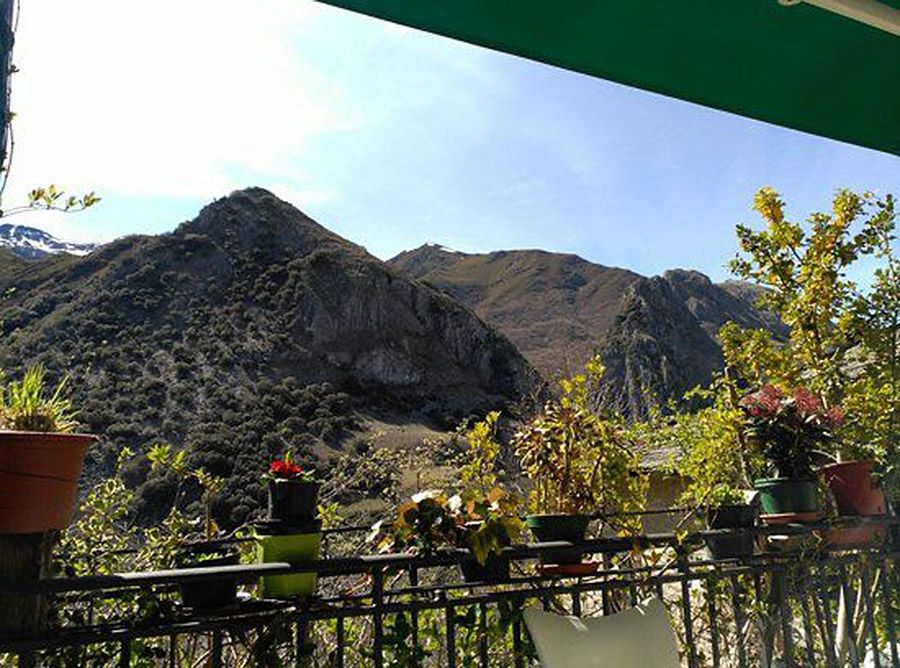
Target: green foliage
x,y
478,471
805,272
844,340
424,523
163,457
488,523
26,405
484,524
713,458
872,399
576,460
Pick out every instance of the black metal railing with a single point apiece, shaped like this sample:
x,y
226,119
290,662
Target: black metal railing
x,y
803,605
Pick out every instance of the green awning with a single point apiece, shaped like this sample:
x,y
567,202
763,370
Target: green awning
x,y
798,66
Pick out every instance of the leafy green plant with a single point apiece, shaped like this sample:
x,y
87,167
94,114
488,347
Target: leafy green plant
x,y
431,520
478,472
843,338
424,523
487,523
577,460
804,270
715,460
164,457
28,405
487,515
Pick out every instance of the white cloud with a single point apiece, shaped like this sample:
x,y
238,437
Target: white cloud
x,y
171,98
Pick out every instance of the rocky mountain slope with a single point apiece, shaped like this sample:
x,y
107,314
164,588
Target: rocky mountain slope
x,y
556,308
31,243
656,335
663,339
247,329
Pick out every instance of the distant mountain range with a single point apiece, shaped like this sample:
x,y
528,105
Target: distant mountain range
x,y
253,328
247,330
31,243
656,335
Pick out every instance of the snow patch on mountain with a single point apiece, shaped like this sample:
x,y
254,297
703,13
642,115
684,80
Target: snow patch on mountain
x,y
32,243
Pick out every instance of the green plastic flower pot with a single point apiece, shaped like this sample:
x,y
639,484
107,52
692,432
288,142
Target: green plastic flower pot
x,y
294,549
779,496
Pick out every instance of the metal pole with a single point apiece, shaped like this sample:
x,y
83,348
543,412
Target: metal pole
x,y
7,38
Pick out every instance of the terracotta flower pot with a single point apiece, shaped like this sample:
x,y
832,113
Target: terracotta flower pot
x,y
854,488
846,538
39,479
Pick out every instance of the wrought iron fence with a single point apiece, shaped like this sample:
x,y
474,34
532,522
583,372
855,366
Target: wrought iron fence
x,y
802,605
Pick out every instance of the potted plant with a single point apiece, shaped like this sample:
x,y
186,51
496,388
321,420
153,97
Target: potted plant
x,y
431,522
787,428
293,492
203,550
714,465
281,542
292,532
579,464
487,516
217,591
486,525
41,456
856,491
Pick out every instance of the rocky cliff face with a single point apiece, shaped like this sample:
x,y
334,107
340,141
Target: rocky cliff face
x,y
663,341
249,328
657,336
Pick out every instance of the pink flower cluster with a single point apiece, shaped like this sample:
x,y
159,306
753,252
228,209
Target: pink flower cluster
x,y
769,401
806,402
764,403
835,416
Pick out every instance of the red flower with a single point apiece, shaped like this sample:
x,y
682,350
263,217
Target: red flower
x,y
282,469
807,402
835,416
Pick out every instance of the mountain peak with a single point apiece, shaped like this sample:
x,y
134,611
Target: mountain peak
x,y
32,244
254,218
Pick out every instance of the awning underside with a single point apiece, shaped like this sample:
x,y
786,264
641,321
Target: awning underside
x,y
797,66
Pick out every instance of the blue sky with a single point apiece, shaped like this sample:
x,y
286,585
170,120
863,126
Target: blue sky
x,y
390,137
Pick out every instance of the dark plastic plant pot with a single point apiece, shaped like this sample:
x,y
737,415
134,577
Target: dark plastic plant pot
x,y
732,516
494,569
854,488
214,592
550,528
780,496
293,501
